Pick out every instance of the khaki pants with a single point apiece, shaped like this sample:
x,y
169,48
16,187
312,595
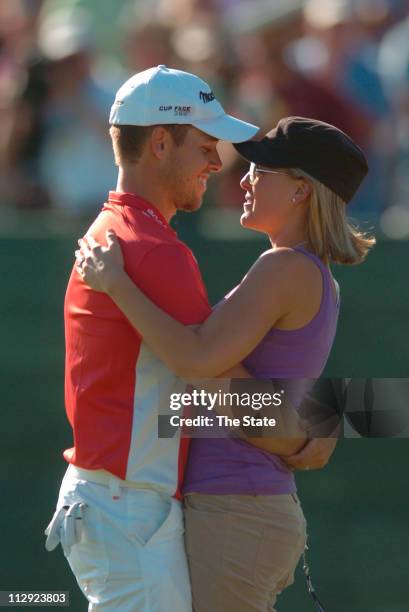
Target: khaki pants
x,y
242,550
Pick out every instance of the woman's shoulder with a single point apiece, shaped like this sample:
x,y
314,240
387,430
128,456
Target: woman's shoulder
x,y
287,262
297,279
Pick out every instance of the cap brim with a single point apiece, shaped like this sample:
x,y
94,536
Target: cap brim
x,y
227,128
263,152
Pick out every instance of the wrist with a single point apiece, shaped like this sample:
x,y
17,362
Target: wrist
x,y
116,282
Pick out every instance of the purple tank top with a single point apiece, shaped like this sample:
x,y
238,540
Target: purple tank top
x,y
232,466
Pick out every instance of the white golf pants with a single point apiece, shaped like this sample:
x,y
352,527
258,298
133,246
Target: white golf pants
x,y
124,545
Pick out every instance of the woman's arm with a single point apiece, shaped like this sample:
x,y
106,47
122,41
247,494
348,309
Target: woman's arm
x,y
111,275
230,333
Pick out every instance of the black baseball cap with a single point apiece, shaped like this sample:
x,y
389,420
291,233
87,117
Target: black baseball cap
x,y
320,149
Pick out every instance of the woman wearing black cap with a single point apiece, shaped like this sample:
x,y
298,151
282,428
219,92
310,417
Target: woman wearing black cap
x,y
333,167
245,530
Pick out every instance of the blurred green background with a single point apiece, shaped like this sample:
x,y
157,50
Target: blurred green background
x,y
357,508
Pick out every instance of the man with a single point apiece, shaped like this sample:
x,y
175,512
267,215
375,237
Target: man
x,y
118,516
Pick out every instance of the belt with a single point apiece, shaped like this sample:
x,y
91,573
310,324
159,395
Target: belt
x,y
110,480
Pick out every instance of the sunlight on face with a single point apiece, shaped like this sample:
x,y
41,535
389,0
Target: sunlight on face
x,y
189,168
267,207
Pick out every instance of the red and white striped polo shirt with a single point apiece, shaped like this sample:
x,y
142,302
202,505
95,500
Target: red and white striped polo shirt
x,y
114,383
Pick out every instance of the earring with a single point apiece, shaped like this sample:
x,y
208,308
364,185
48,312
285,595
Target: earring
x,y
293,199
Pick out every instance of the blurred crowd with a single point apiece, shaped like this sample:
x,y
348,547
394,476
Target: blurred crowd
x,y
342,61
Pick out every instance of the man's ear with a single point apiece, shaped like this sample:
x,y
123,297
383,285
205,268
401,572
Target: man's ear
x,y
159,142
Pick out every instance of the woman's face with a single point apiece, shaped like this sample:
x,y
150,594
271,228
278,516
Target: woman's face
x,y
270,199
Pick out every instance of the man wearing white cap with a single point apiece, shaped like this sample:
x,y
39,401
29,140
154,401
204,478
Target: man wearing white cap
x,y
119,517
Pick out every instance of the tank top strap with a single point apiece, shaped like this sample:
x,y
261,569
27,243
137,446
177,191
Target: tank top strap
x,y
328,294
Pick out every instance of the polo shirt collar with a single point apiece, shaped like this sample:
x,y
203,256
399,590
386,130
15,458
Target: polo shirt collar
x,y
135,201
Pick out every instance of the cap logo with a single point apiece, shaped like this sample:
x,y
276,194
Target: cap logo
x,y
118,102
206,97
182,111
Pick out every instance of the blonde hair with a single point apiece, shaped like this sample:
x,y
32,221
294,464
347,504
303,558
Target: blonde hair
x,y
331,236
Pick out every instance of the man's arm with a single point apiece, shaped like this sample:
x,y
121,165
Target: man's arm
x,y
289,423
323,409
313,456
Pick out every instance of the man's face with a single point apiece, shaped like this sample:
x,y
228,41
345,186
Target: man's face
x,y
188,169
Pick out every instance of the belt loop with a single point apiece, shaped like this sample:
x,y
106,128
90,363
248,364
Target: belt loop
x,y
114,488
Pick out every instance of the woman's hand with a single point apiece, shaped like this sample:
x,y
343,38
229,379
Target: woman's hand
x,y
100,267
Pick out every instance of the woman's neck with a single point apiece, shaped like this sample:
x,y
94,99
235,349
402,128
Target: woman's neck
x,y
288,239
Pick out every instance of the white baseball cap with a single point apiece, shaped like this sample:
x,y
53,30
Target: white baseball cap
x,y
161,95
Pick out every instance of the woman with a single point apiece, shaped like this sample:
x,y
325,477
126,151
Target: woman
x,y
245,530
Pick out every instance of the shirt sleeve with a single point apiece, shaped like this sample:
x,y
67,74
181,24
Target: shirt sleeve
x,y
170,277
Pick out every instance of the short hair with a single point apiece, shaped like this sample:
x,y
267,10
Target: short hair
x,y
331,235
128,140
